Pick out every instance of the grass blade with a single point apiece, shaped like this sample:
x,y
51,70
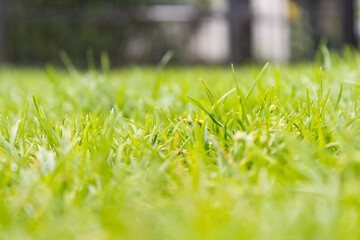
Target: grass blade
x,y
198,104
256,80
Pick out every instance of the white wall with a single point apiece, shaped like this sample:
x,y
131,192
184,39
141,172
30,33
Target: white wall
x,y
211,42
270,30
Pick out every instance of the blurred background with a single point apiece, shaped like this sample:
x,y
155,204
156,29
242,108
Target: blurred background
x,y
34,32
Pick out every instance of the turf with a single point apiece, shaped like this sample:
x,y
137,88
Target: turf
x,y
143,153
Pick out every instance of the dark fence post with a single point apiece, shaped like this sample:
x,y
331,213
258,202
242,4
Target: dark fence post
x,y
239,19
3,35
348,12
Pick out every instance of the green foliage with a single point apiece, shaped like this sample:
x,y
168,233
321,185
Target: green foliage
x,y
93,3
39,29
145,153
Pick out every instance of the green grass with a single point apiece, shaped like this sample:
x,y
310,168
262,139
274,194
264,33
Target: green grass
x,y
146,153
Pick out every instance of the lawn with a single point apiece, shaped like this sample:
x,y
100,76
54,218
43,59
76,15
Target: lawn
x,y
254,152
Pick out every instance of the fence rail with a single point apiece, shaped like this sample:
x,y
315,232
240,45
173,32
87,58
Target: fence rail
x,y
163,13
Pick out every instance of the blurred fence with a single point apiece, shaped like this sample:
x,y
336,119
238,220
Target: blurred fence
x,y
141,34
264,30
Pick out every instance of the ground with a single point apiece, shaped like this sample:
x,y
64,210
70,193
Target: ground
x,y
181,153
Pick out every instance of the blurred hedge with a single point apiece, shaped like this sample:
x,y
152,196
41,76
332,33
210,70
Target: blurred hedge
x,y
40,29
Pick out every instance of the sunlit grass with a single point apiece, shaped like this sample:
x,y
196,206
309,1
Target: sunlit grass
x,y
246,153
